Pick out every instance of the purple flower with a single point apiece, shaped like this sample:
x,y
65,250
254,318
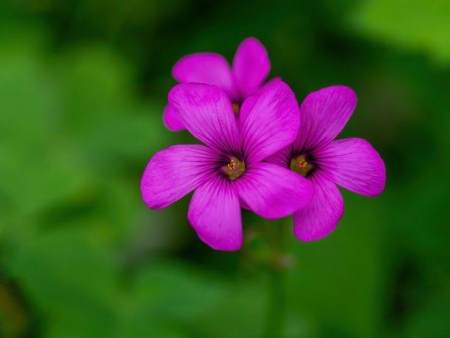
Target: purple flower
x,y
251,65
228,172
351,163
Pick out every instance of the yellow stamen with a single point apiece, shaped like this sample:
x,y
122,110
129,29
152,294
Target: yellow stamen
x,y
234,168
301,165
236,108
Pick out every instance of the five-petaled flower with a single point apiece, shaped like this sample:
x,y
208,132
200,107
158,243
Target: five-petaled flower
x,y
228,172
351,163
251,65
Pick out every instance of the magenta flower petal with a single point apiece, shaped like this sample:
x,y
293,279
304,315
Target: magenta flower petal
x,y
215,214
207,113
171,119
248,104
321,216
174,172
272,192
251,65
324,113
272,122
281,157
207,68
355,165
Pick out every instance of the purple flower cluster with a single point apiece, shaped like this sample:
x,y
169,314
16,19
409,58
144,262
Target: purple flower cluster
x,y
259,150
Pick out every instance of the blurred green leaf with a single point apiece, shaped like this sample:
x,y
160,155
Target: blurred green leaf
x,y
338,281
430,321
69,281
170,297
240,314
415,24
75,286
36,162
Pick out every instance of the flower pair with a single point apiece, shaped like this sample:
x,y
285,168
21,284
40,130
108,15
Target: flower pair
x,y
260,150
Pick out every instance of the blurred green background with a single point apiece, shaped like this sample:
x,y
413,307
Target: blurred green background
x,y
82,88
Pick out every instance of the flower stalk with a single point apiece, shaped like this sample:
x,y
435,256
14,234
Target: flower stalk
x,y
276,268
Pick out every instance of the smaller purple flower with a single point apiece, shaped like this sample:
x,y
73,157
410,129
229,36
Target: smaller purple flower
x,y
251,65
351,163
228,172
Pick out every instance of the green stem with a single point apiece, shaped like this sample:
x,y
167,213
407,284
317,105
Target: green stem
x,y
276,286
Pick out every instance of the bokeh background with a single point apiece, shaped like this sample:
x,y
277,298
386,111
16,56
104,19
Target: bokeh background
x,y
82,88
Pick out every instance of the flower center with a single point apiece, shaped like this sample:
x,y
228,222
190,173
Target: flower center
x,y
234,168
236,107
302,164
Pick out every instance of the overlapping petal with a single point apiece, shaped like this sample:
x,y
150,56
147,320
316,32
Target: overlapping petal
x,y
251,65
171,119
324,113
271,122
215,214
271,191
206,68
355,165
174,172
281,157
321,216
207,113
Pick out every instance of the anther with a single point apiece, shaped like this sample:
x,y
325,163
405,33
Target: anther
x,y
234,168
236,107
302,165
